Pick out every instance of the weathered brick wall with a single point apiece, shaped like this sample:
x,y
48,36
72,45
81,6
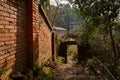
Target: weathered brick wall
x,y
41,37
23,35
13,27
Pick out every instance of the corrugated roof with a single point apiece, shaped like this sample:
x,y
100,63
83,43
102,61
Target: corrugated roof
x,y
60,28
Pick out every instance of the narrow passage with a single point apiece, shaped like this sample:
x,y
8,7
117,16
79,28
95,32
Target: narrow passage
x,y
77,72
72,71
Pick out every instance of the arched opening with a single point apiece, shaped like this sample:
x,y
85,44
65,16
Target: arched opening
x,y
70,40
70,36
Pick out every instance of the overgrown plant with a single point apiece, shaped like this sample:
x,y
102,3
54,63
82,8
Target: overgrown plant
x,y
101,15
60,60
72,52
39,72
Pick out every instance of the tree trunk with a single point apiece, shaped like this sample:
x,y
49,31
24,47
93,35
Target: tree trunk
x,y
55,16
114,67
112,39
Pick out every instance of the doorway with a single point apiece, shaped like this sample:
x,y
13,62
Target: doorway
x,y
72,54
64,50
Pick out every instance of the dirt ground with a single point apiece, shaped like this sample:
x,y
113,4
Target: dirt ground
x,y
72,71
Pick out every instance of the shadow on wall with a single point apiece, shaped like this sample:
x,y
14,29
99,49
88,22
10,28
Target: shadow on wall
x,y
21,33
19,42
36,49
27,49
16,37
22,48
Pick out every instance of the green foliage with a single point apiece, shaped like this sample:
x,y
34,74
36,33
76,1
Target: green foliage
x,y
60,60
45,2
100,15
101,29
39,72
89,62
63,14
58,43
43,72
49,73
37,69
72,51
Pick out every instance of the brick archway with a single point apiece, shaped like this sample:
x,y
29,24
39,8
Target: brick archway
x,y
73,39
69,39
70,35
63,49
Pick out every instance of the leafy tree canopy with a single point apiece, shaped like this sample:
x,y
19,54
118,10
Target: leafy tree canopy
x,y
64,15
98,11
103,15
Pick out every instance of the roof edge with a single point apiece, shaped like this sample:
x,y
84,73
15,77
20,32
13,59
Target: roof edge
x,y
41,10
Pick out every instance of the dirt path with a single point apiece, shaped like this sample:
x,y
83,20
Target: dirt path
x,y
75,72
69,72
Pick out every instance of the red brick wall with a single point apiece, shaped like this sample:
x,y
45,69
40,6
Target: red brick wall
x,y
13,24
18,34
41,37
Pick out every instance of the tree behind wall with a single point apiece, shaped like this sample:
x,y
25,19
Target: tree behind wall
x,y
101,15
61,15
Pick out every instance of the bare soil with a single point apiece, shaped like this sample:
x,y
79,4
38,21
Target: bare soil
x,y
72,71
